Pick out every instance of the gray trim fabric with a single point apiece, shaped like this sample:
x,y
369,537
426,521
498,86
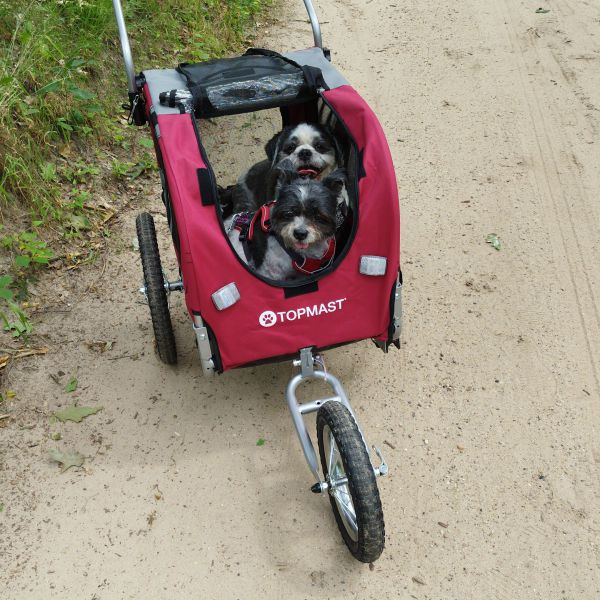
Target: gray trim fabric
x,y
314,57
164,80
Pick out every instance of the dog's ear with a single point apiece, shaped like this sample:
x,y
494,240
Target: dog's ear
x,y
271,146
286,172
336,181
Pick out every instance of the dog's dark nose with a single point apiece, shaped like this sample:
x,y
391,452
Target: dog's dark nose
x,y
305,154
300,233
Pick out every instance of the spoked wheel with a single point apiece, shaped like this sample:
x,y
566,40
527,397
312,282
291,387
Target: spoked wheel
x,y
353,489
156,294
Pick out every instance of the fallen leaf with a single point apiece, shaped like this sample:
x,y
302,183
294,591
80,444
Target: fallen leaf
x,y
79,222
65,151
71,385
77,413
157,492
100,345
541,11
442,524
418,580
20,354
66,459
494,240
56,436
260,442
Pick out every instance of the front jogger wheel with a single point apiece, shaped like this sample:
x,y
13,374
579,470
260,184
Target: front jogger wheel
x,y
353,489
154,281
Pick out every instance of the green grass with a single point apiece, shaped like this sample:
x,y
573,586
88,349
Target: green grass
x,y
62,83
61,77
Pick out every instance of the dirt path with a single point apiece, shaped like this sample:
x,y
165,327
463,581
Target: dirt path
x,y
492,406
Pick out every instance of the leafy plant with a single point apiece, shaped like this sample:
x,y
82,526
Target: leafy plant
x,y
5,291
15,320
133,170
146,142
121,168
48,171
29,249
79,172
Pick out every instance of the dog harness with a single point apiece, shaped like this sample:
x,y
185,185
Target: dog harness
x,y
245,223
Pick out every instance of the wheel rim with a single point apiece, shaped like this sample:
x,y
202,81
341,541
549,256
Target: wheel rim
x,y
338,484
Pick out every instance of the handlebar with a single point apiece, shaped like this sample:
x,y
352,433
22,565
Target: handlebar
x,y
126,47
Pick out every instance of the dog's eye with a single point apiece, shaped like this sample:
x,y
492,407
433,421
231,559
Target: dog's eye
x,y
322,219
289,148
321,148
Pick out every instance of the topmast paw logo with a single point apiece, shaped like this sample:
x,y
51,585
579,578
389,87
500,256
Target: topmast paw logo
x,y
268,318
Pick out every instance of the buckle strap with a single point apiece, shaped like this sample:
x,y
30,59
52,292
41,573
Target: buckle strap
x,y
262,216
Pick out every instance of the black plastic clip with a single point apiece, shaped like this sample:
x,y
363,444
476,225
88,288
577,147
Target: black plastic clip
x,y
132,107
136,109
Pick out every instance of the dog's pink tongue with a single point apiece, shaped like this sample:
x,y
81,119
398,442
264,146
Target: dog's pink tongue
x,y
301,245
307,173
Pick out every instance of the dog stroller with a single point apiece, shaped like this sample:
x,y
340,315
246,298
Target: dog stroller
x,y
240,319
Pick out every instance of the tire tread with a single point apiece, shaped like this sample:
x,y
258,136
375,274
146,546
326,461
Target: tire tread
x,y
361,481
155,291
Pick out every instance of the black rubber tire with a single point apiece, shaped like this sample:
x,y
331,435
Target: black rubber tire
x,y
155,289
362,483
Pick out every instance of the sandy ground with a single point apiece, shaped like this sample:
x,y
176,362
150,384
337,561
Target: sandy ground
x,y
492,405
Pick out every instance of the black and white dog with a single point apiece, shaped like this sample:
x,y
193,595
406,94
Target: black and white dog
x,y
312,151
295,234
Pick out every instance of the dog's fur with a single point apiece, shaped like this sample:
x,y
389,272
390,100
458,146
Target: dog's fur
x,y
303,219
312,151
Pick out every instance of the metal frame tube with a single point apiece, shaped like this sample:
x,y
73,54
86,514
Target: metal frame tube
x,y
204,349
125,47
299,410
314,21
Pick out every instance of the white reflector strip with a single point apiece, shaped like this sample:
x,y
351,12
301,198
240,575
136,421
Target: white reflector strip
x,y
227,296
373,265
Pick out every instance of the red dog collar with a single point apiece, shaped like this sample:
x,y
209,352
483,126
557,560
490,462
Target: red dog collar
x,y
313,265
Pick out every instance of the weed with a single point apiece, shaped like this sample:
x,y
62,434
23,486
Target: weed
x,y
15,320
28,249
79,172
61,75
78,200
61,79
5,292
133,170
